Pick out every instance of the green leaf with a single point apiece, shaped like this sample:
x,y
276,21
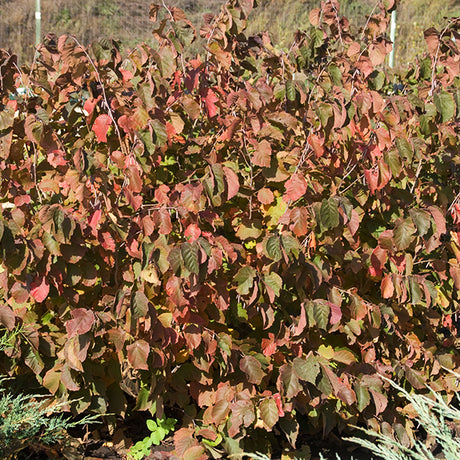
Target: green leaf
x,y
317,38
404,148
329,213
321,312
159,129
269,413
151,425
445,105
274,282
335,74
306,369
363,397
290,90
290,245
252,368
393,160
245,279
290,381
189,253
139,305
421,219
325,113
415,291
272,248
403,234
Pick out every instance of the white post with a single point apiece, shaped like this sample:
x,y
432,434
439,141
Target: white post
x,y
38,23
392,38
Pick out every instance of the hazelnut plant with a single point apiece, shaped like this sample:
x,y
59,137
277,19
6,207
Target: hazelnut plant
x,y
249,238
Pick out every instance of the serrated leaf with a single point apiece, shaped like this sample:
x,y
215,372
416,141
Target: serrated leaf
x,y
393,160
415,291
321,313
329,213
404,148
269,413
252,368
161,136
290,381
290,244
363,397
82,321
6,118
445,105
290,90
421,219
189,253
245,279
273,282
403,234
138,353
139,305
272,248
306,369
344,356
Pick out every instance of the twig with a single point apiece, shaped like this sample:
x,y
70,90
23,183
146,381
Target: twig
x,y
338,21
435,63
104,96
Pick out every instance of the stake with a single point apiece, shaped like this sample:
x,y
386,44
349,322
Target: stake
x,y
392,38
38,21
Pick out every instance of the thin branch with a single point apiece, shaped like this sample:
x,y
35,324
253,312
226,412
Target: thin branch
x,y
104,96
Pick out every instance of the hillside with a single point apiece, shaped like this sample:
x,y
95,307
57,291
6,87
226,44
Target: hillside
x,y
128,22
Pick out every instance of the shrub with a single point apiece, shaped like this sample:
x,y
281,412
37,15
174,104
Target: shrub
x,y
250,238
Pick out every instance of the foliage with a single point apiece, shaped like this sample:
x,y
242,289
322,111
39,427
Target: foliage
x,y
31,420
439,421
159,430
251,237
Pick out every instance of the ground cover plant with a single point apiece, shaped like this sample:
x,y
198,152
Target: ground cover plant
x,y
244,241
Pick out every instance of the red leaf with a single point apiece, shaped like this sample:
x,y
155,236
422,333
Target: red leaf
x,y
183,440
380,401
90,104
135,181
372,179
317,144
192,232
378,260
174,291
40,289
210,99
336,313
82,321
94,219
57,158
233,184
138,353
296,187
101,126
279,404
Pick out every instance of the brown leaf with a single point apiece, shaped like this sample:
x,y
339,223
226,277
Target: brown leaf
x,y
82,321
262,154
431,36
